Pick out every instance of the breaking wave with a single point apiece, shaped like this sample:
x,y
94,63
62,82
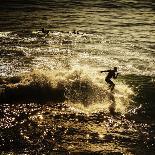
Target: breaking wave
x,y
76,87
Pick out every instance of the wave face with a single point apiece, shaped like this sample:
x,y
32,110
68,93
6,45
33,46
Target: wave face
x,y
32,87
74,87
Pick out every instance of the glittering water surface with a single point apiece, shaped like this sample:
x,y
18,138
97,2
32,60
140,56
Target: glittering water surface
x,y
53,98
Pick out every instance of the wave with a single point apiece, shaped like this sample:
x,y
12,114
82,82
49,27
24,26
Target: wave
x,y
31,87
74,87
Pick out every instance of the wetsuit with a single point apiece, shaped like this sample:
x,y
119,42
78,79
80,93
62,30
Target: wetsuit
x,y
111,74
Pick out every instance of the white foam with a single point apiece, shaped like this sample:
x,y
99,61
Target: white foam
x,y
4,34
87,92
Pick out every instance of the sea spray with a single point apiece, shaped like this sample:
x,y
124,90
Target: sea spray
x,y
77,88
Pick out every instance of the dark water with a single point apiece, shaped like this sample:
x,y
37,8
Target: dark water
x,y
53,98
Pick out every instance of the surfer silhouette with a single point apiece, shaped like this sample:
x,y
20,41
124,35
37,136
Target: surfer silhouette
x,y
44,31
111,74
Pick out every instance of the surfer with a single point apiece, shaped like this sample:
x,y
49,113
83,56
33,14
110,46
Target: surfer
x,y
111,74
44,31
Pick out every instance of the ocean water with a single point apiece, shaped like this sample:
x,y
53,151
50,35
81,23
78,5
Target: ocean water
x,y
53,98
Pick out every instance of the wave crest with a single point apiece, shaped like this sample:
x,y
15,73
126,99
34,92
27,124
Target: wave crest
x,y
74,87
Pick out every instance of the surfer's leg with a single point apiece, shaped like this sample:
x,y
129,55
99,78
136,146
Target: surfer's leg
x,y
112,85
109,82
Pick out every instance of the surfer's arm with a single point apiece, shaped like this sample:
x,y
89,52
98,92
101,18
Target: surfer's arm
x,y
105,71
115,76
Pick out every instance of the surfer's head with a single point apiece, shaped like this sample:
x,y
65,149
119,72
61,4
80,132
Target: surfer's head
x,y
44,30
115,69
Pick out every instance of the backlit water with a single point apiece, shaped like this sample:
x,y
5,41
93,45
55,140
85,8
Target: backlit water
x,y
54,100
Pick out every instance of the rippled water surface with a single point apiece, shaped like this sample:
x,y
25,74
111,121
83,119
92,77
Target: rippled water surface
x,y
53,98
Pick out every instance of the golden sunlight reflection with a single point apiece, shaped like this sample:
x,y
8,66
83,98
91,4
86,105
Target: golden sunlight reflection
x,y
54,98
